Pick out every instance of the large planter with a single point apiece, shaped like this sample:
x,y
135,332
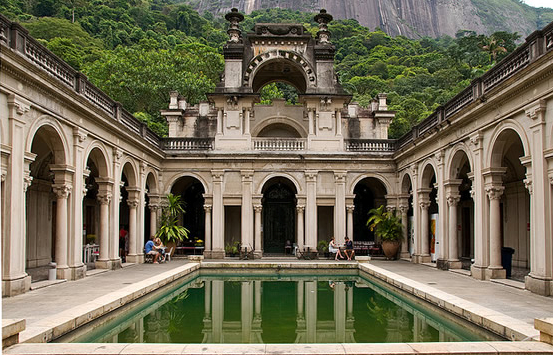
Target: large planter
x,y
390,248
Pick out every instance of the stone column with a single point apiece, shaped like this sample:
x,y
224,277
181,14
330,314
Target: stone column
x,y
310,113
339,122
340,311
257,287
453,257
311,311
218,237
258,251
540,278
113,229
219,121
14,278
207,237
75,260
133,202
403,208
424,203
350,209
481,247
340,206
247,211
300,295
207,299
247,310
104,197
495,270
62,192
218,310
154,208
247,121
300,231
311,210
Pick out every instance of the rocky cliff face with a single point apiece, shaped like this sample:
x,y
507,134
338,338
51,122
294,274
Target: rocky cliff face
x,y
411,18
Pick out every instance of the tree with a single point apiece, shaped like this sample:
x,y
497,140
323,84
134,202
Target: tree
x,y
169,230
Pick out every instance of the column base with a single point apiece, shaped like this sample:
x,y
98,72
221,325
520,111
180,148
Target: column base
x,y
258,254
16,287
133,258
478,272
442,264
496,273
103,264
420,259
540,285
207,254
63,273
217,254
405,255
78,271
454,264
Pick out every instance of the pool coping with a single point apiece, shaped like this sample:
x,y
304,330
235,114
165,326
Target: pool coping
x,y
52,327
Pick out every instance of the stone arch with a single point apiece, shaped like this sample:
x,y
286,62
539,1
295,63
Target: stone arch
x,y
370,192
152,181
379,177
497,143
405,180
279,120
98,152
428,171
295,182
455,159
131,172
301,74
169,185
59,147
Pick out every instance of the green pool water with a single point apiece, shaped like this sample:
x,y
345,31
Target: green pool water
x,y
291,309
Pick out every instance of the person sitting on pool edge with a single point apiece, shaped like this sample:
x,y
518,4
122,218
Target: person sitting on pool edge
x,y
349,249
149,248
334,248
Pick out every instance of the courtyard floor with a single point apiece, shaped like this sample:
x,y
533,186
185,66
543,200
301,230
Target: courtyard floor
x,y
46,302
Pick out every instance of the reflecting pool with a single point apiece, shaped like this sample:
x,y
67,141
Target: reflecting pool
x,y
290,309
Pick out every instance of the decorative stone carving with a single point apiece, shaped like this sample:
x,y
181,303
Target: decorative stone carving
x,y
133,203
350,208
528,185
311,176
495,192
104,198
61,191
117,154
79,134
27,180
453,199
234,17
217,175
258,208
424,204
340,176
323,18
300,208
207,208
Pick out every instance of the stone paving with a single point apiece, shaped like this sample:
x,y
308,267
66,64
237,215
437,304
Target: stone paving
x,y
49,301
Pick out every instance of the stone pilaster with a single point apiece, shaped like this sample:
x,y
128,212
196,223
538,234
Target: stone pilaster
x,y
300,209
218,237
75,261
62,192
258,251
311,210
340,206
247,210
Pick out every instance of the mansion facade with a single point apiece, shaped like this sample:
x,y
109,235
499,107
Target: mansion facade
x,y
470,179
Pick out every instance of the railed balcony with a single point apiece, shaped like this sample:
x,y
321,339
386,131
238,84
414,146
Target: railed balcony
x,y
280,144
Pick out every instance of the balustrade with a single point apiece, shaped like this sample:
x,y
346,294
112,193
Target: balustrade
x,y
280,144
371,145
187,143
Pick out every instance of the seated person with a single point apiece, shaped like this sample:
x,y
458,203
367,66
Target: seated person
x,y
334,248
158,245
149,248
349,249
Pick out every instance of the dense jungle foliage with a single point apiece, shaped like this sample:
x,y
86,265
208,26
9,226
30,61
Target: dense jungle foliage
x,y
138,51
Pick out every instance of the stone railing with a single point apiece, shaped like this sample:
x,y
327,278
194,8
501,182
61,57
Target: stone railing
x,y
280,144
536,46
371,145
17,38
187,144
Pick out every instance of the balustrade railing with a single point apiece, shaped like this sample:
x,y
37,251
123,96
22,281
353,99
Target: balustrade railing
x,y
513,63
279,144
187,143
462,99
371,145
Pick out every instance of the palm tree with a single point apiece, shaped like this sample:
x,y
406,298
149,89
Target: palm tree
x,y
169,230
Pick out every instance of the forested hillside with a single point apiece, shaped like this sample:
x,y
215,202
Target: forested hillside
x,y
138,51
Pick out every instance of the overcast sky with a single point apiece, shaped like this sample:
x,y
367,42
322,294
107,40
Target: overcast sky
x,y
540,3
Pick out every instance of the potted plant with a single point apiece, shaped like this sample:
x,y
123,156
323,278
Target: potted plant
x,y
387,226
169,231
232,249
322,247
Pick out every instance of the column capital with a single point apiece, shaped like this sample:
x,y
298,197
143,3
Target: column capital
x,y
80,135
104,198
350,208
494,192
528,185
258,208
453,199
247,175
475,141
424,204
207,208
27,180
311,175
300,208
340,176
154,206
62,191
133,203
536,111
217,175
117,154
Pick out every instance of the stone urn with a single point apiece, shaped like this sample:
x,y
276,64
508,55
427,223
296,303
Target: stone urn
x,y
390,248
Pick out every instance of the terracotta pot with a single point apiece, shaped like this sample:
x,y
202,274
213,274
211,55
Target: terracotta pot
x,y
390,248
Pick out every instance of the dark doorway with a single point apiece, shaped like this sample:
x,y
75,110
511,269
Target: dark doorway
x,y
369,193
279,218
191,191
